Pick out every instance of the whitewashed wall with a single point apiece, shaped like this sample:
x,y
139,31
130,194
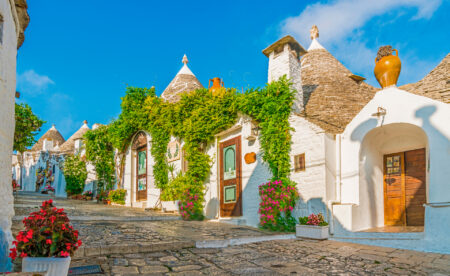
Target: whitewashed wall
x,y
417,112
309,139
8,53
253,174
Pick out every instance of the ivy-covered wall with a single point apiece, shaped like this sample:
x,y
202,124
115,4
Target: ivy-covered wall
x,y
195,119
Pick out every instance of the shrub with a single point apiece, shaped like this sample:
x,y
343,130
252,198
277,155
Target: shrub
x,y
317,220
75,173
191,206
277,202
117,196
47,234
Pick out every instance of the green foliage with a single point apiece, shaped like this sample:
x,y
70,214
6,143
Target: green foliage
x,y
75,173
195,119
100,151
271,107
27,126
117,196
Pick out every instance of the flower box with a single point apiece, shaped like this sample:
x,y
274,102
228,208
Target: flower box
x,y
169,206
311,232
52,265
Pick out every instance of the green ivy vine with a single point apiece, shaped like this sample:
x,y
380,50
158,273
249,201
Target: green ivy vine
x,y
195,119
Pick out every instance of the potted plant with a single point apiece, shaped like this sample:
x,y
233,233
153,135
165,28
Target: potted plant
x,y
47,243
117,197
312,227
48,189
88,195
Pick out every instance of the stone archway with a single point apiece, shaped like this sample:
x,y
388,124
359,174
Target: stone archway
x,y
382,190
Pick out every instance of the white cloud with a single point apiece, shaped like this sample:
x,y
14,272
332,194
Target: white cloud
x,y
341,25
32,83
339,19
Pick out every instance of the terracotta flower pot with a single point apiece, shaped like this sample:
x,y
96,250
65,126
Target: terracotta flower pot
x,y
387,70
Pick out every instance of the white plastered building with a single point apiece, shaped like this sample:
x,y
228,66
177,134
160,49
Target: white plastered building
x,y
375,162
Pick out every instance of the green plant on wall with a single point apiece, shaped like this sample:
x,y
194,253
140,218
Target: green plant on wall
x,y
195,119
100,152
75,173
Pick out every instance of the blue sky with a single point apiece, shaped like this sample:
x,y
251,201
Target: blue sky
x,y
79,56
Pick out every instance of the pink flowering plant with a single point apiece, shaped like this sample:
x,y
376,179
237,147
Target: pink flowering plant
x,y
278,200
313,219
47,234
191,206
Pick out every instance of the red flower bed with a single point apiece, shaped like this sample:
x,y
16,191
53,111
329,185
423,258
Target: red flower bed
x,y
47,234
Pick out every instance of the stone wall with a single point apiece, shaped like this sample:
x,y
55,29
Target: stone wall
x,y
309,139
287,63
8,52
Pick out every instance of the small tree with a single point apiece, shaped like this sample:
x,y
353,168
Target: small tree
x,y
75,173
27,126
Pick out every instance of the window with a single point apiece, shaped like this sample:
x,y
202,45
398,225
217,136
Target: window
x,y
299,163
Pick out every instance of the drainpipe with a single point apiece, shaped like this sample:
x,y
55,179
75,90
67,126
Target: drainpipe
x,y
338,182
217,176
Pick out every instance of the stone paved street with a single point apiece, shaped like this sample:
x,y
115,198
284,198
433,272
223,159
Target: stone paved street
x,y
288,257
163,247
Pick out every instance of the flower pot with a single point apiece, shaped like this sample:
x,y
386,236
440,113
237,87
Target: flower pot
x,y
311,232
387,70
169,206
54,266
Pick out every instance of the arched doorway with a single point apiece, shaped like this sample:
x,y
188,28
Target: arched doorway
x,y
393,176
139,146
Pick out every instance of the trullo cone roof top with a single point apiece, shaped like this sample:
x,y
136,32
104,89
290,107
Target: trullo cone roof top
x,y
51,134
332,97
184,81
69,145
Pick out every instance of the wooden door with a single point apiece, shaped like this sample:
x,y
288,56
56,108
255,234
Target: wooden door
x,y
405,188
415,187
230,178
394,189
141,173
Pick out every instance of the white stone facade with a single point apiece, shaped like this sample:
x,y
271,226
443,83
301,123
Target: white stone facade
x,y
8,53
287,63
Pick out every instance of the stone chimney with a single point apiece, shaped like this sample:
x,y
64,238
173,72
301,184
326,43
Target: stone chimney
x,y
284,59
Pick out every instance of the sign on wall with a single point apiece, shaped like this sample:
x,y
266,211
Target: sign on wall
x,y
173,151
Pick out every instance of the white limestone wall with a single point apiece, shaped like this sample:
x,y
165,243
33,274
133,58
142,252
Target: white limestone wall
x,y
8,53
253,174
287,63
432,118
309,139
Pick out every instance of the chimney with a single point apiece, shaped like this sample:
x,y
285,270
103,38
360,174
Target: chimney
x,y
284,59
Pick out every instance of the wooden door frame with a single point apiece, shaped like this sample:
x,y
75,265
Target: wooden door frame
x,y
237,141
137,173
402,177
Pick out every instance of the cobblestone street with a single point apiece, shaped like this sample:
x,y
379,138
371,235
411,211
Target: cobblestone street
x,y
125,245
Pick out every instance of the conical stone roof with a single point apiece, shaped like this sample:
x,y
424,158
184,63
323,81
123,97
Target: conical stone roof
x,y
184,81
69,145
51,134
331,98
435,85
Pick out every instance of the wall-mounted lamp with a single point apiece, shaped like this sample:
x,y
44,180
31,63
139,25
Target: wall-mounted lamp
x,y
380,112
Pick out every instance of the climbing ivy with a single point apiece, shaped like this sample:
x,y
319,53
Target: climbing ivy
x,y
195,119
100,152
